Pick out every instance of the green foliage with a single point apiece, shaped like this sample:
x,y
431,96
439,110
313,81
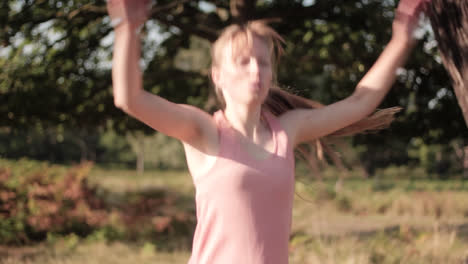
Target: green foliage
x,y
56,77
112,232
393,172
108,148
380,185
54,145
115,150
439,160
325,193
163,152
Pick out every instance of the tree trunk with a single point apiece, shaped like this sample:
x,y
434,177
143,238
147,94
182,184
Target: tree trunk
x,y
465,163
141,154
83,148
137,143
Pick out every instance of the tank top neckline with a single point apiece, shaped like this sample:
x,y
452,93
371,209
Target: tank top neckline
x,y
267,117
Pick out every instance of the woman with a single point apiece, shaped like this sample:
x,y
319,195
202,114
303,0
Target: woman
x,y
241,158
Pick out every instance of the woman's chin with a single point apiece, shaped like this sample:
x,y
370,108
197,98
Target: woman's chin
x,y
257,97
257,90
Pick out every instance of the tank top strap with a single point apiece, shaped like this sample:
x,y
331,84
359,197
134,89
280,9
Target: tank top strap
x,y
218,116
222,123
228,136
227,141
282,141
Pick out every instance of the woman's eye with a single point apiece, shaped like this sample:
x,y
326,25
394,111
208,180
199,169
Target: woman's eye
x,y
264,63
244,61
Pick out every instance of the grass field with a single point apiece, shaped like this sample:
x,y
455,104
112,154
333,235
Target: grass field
x,y
368,221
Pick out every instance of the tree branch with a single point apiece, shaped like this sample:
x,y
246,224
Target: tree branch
x,y
242,10
199,30
318,10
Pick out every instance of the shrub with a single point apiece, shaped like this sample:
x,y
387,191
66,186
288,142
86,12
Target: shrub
x,y
344,203
38,200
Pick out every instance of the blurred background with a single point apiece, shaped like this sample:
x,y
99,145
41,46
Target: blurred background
x,y
82,181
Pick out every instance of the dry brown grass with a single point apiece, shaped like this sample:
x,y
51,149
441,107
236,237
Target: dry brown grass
x,y
97,253
358,225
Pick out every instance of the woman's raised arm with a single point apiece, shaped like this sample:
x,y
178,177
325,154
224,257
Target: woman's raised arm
x,y
305,125
186,123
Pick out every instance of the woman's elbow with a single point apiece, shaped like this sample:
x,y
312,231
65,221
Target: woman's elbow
x,y
123,104
365,101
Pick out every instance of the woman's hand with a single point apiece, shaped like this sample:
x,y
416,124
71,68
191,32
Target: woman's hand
x,y
406,20
130,12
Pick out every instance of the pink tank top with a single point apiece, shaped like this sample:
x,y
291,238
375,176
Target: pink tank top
x,y
244,205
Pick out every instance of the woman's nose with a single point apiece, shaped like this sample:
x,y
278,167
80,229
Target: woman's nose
x,y
254,66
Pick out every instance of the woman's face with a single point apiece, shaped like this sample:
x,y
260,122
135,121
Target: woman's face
x,y
245,71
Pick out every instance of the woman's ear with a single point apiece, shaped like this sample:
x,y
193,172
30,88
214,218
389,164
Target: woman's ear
x,y
216,76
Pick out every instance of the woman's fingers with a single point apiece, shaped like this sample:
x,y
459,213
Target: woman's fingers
x,y
411,8
407,13
129,11
406,19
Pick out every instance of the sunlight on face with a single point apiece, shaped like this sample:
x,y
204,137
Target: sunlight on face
x,y
246,70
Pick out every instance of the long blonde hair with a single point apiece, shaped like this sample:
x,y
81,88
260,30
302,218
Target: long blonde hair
x,y
280,101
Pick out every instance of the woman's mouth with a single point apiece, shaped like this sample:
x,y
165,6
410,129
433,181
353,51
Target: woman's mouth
x,y
256,85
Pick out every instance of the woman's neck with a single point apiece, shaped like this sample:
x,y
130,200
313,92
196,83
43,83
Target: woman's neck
x,y
245,119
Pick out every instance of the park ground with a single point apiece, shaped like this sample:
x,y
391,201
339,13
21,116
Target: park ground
x,y
380,220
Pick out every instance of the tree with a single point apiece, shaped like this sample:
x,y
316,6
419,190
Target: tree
x,y
55,64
